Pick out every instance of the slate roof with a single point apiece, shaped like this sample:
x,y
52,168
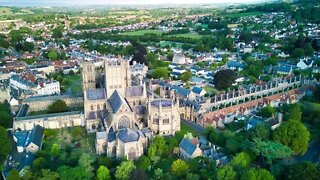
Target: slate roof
x,y
197,89
21,137
195,79
180,90
134,91
36,135
96,94
23,110
128,135
254,121
286,69
112,136
162,102
236,64
116,101
26,161
187,146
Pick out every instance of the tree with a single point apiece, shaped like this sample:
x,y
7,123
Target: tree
x,y
139,174
160,72
158,173
261,131
124,170
39,164
57,33
297,53
6,119
267,111
224,79
186,76
77,133
48,175
308,50
58,106
143,163
53,55
5,144
226,173
179,168
270,150
295,112
191,176
13,175
294,135
304,170
85,162
55,150
157,147
254,174
242,159
66,172
103,173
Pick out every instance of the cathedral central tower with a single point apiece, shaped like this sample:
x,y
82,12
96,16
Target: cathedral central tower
x,y
117,75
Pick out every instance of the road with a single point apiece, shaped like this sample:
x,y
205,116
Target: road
x,y
312,154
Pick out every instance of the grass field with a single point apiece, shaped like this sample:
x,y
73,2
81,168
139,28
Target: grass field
x,y
188,35
72,84
237,15
5,11
170,43
75,137
184,129
210,89
142,32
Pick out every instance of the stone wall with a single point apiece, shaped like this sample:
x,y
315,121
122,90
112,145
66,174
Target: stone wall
x,y
42,103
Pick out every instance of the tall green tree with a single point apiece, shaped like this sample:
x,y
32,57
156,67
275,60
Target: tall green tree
x,y
254,174
294,135
261,131
224,79
186,76
295,112
267,111
103,173
5,144
160,72
226,173
124,170
270,150
242,159
157,147
85,162
58,106
13,175
47,174
179,168
304,170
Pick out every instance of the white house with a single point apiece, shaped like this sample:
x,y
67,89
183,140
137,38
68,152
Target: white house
x,y
305,63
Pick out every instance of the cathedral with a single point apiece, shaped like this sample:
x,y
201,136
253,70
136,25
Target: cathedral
x,y
119,110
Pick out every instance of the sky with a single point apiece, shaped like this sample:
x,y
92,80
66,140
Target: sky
x,y
106,2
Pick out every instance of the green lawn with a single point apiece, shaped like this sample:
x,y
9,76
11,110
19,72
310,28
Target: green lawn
x,y
170,43
188,35
184,129
209,89
5,11
237,15
142,32
64,137
72,83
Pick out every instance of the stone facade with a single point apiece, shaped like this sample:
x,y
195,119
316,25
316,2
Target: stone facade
x,y
119,114
42,103
49,121
163,116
